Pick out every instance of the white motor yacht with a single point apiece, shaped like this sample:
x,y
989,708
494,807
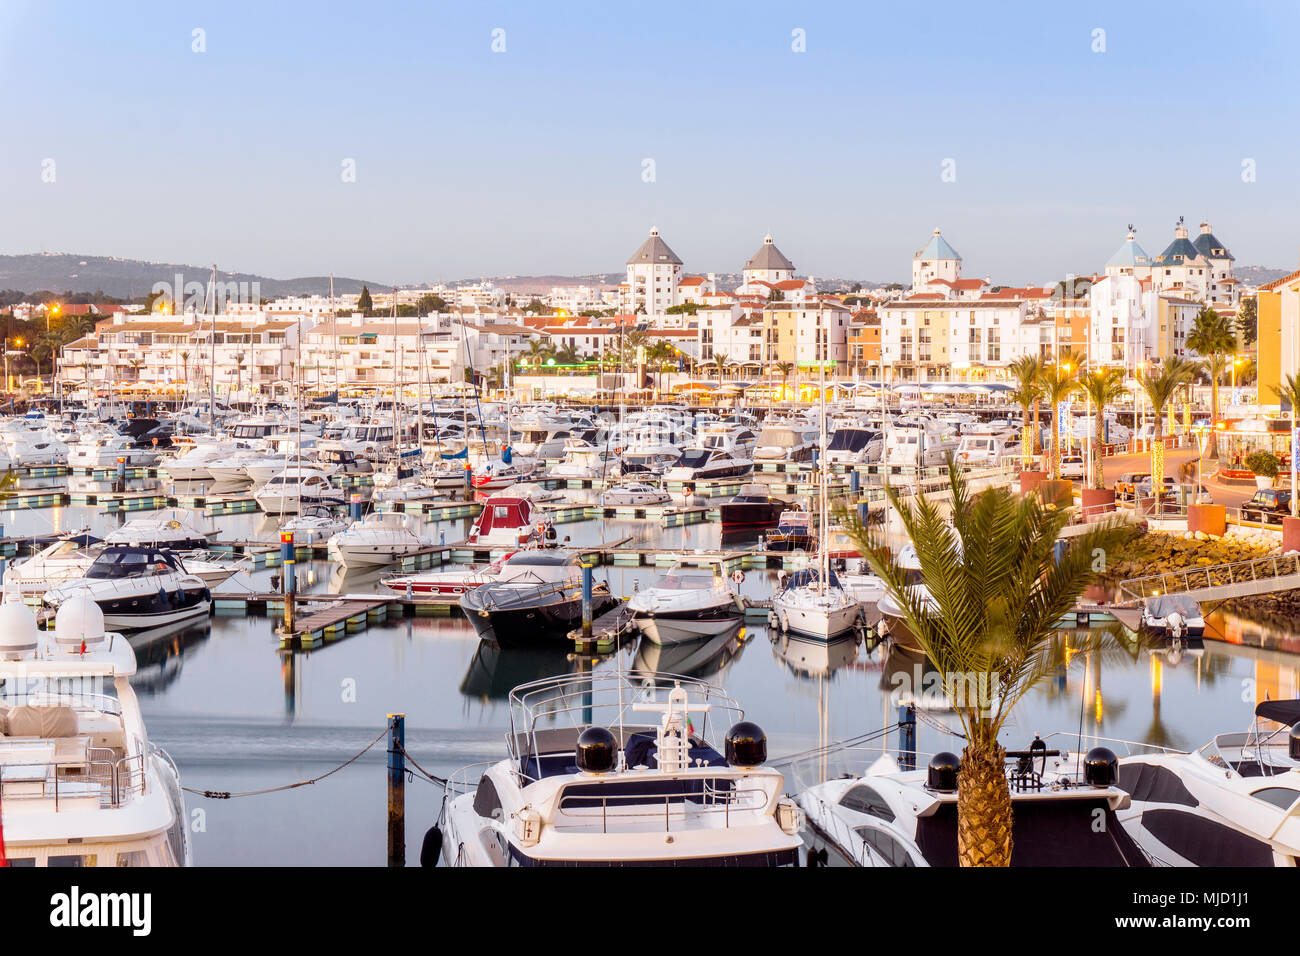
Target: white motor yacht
x,y
137,588
1066,810
618,770
686,603
175,529
1234,802
704,464
511,521
380,538
83,786
297,487
103,451
314,524
634,494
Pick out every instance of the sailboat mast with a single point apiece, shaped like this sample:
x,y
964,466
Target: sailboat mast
x,y
824,575
212,352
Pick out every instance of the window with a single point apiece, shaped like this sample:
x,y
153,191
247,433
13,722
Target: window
x,y
1282,797
864,799
893,852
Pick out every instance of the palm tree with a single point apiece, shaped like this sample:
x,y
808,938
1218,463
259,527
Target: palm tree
x,y
785,368
720,363
1057,385
1102,386
1160,385
1028,372
998,592
1289,394
1213,337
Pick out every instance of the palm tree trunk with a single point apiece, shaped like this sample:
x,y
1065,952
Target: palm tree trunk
x,y
1212,447
1037,437
983,808
1098,434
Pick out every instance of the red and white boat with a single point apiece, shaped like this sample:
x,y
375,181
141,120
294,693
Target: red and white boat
x,y
446,581
511,521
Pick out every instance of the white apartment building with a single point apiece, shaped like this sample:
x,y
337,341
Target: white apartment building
x,y
931,338
653,274
694,289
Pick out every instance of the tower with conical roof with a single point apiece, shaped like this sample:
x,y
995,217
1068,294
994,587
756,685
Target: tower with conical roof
x,y
1130,259
653,274
938,260
768,264
1181,269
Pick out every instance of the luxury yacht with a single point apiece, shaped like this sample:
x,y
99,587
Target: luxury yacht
x,y
688,602
103,451
1065,810
297,487
1234,802
380,538
166,529
137,588
315,523
619,770
83,786
537,595
854,445
702,464
634,494
753,507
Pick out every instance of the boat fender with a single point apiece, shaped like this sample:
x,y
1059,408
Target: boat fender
x,y
431,848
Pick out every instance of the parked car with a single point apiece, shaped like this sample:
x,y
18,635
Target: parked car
x,y
1269,505
1128,482
1072,466
1168,492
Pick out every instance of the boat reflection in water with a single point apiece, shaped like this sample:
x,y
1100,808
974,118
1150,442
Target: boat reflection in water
x,y
699,658
160,653
812,657
495,671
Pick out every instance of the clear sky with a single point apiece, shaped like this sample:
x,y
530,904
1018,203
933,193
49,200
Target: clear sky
x,y
473,162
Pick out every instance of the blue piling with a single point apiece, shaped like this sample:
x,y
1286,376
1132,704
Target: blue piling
x,y
855,481
356,507
906,737
396,790
586,602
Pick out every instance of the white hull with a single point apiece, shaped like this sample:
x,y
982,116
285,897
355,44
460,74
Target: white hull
x,y
667,631
370,555
813,621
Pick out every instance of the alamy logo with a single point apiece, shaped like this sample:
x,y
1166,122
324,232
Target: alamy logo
x,y
129,910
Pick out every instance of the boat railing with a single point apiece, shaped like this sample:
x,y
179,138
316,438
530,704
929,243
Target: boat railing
x,y
580,698
101,775
465,780
684,807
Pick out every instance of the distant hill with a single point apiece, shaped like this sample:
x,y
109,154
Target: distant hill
x,y
1258,275
133,278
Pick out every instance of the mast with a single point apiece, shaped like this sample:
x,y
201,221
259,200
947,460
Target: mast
x,y
823,575
397,415
212,352
334,329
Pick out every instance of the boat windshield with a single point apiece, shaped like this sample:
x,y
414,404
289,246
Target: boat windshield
x,y
695,458
132,563
689,579
850,439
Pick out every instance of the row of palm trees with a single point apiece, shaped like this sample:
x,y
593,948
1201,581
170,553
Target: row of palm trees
x,y
1039,379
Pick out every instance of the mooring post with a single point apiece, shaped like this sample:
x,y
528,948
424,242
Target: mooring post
x,y
290,580
396,790
864,511
469,481
586,601
855,480
356,507
906,736
121,474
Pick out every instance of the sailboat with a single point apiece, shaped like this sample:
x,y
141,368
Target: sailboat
x,y
812,602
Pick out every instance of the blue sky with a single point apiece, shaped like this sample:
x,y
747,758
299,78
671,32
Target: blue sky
x,y
470,162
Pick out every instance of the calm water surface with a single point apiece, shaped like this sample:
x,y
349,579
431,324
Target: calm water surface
x,y
237,713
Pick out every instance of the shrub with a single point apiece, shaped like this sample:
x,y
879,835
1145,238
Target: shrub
x,y
1264,463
